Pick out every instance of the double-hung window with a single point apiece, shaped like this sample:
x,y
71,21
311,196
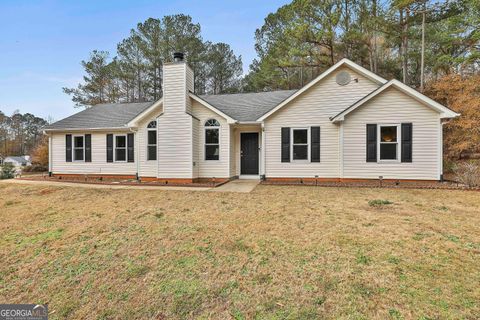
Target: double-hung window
x,y
120,148
300,144
152,141
388,142
212,140
78,148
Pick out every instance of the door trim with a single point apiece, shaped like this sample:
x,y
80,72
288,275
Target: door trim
x,y
248,176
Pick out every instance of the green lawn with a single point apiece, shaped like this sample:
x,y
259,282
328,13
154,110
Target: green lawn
x,y
276,253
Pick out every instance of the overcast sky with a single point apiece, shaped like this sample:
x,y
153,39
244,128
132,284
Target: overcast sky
x,y
42,42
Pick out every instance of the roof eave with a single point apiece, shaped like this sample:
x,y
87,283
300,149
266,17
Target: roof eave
x,y
46,131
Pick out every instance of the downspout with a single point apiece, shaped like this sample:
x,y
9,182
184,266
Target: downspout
x,y
263,153
440,150
340,149
137,151
50,165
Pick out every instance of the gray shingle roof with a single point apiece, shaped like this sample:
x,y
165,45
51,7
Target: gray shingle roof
x,y
247,106
112,115
239,106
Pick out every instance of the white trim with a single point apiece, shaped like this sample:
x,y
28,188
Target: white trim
x,y
211,108
372,76
300,144
115,147
340,150
249,176
73,147
50,156
444,111
205,144
68,130
156,140
397,143
141,115
263,154
440,150
136,154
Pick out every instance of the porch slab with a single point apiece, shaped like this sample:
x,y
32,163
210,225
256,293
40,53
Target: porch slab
x,y
238,185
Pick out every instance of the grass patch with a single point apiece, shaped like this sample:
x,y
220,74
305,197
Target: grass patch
x,y
276,253
379,203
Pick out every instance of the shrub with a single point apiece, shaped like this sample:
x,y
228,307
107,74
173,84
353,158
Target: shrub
x,y
35,168
468,173
7,171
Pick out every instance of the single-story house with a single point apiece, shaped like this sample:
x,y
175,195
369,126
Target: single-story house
x,y
348,123
18,162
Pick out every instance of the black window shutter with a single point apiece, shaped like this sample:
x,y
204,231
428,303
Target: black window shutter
x,y
68,148
88,148
285,144
130,148
406,142
315,144
371,143
109,147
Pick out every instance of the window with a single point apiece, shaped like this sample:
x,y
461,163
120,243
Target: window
x,y
120,148
388,140
78,148
300,144
152,141
212,140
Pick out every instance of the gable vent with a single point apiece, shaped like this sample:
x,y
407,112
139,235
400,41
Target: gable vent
x,y
343,78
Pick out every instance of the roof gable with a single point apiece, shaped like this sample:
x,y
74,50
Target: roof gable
x,y
444,111
344,62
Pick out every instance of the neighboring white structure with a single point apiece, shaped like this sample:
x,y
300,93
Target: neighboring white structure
x,y
348,123
18,162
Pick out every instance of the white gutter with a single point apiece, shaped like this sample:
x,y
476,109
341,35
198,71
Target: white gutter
x,y
263,152
46,131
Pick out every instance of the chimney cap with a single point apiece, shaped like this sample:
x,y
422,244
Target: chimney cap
x,y
178,56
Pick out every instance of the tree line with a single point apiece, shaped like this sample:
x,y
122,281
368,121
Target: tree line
x,y
302,39
134,74
20,133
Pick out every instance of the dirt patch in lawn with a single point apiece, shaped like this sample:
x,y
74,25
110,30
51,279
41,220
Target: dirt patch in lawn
x,y
276,253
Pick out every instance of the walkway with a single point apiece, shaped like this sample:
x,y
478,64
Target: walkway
x,y
243,186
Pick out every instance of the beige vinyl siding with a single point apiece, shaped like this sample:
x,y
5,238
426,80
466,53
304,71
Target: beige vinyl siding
x,y
212,168
313,108
147,168
195,146
190,88
99,164
175,145
393,107
237,146
175,126
233,163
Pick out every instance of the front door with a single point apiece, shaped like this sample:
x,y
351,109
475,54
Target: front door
x,y
249,153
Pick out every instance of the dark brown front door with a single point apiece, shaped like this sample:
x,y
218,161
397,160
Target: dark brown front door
x,y
249,153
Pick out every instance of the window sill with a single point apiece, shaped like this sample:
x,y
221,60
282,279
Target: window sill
x,y
387,161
